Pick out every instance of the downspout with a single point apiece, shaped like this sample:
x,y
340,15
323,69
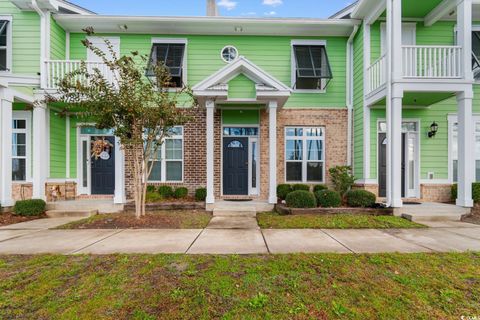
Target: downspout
x,y
43,44
349,96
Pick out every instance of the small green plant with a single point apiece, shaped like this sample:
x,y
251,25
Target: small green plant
x,y
152,197
475,192
328,199
181,193
283,190
33,207
201,194
342,179
301,199
360,198
300,187
319,187
258,301
150,188
165,191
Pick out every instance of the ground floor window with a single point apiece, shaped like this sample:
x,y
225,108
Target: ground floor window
x,y
168,163
304,154
20,146
454,149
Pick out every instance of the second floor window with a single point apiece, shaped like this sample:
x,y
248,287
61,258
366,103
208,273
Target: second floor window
x,y
172,56
4,25
312,68
476,54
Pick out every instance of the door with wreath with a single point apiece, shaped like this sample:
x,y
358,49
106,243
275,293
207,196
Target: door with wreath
x,y
102,165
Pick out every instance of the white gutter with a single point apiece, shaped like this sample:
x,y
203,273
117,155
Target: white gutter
x,y
43,42
349,95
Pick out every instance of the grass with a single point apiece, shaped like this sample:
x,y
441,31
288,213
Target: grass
x,y
326,286
271,220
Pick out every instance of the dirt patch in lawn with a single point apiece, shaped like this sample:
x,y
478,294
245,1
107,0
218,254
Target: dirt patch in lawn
x,y
171,219
9,218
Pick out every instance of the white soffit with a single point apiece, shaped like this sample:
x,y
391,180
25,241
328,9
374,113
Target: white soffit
x,y
207,25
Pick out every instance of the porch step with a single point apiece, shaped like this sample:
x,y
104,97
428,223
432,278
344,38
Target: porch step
x,y
432,212
71,214
234,213
102,206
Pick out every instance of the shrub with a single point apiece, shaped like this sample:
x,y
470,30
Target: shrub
x,y
283,190
201,194
165,191
475,192
360,198
328,199
150,188
34,207
319,187
300,187
181,193
301,199
342,179
152,197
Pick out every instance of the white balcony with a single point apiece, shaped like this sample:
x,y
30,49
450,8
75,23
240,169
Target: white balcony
x,y
420,62
56,70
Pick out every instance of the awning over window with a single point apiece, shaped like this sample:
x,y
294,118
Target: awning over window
x,y
171,55
312,63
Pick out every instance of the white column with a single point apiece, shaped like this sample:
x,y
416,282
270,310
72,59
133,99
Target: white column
x,y
272,151
465,150
119,196
40,150
396,42
464,35
6,114
395,140
210,106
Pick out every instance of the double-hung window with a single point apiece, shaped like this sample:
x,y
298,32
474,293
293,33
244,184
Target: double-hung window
x,y
476,54
20,147
310,66
454,150
172,56
304,154
4,45
168,163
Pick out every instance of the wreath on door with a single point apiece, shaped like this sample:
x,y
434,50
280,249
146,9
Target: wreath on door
x,y
101,148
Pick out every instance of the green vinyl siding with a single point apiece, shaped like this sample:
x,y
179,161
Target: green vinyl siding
x,y
235,117
57,41
272,54
58,145
241,87
25,39
73,146
358,104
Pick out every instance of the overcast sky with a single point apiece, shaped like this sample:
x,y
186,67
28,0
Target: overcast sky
x,y
240,8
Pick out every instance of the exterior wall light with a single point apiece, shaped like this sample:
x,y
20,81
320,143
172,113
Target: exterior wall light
x,y
433,130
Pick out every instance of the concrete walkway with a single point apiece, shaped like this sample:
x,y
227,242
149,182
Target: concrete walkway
x,y
34,237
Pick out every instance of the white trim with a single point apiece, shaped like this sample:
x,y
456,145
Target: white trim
x,y
27,116
229,46
9,47
67,45
440,11
185,55
210,150
293,64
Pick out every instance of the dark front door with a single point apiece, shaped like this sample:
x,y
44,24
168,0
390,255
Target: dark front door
x,y
103,168
235,166
382,164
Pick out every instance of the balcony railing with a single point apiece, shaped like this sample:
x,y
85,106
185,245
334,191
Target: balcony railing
x,y
432,62
56,70
377,73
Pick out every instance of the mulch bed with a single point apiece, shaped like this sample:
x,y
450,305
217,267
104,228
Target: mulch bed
x,y
475,216
179,204
8,218
282,209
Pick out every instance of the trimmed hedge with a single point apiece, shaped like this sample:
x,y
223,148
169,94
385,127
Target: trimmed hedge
x,y
475,192
319,187
150,188
165,191
360,198
33,207
301,199
181,193
328,199
283,190
300,187
201,194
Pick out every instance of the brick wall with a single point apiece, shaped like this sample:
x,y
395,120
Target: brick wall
x,y
436,192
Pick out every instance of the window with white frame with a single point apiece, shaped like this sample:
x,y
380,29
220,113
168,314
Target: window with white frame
x,y
4,43
168,163
20,148
476,53
454,150
310,66
304,154
172,56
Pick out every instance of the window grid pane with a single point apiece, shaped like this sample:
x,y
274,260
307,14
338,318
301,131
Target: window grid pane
x,y
169,163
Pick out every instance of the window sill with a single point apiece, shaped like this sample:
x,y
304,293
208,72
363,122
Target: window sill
x,y
158,181
308,91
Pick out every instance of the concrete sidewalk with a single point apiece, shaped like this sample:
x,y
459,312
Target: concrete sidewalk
x,y
35,238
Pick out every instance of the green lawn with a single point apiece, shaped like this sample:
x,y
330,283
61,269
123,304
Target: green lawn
x,y
272,220
327,286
